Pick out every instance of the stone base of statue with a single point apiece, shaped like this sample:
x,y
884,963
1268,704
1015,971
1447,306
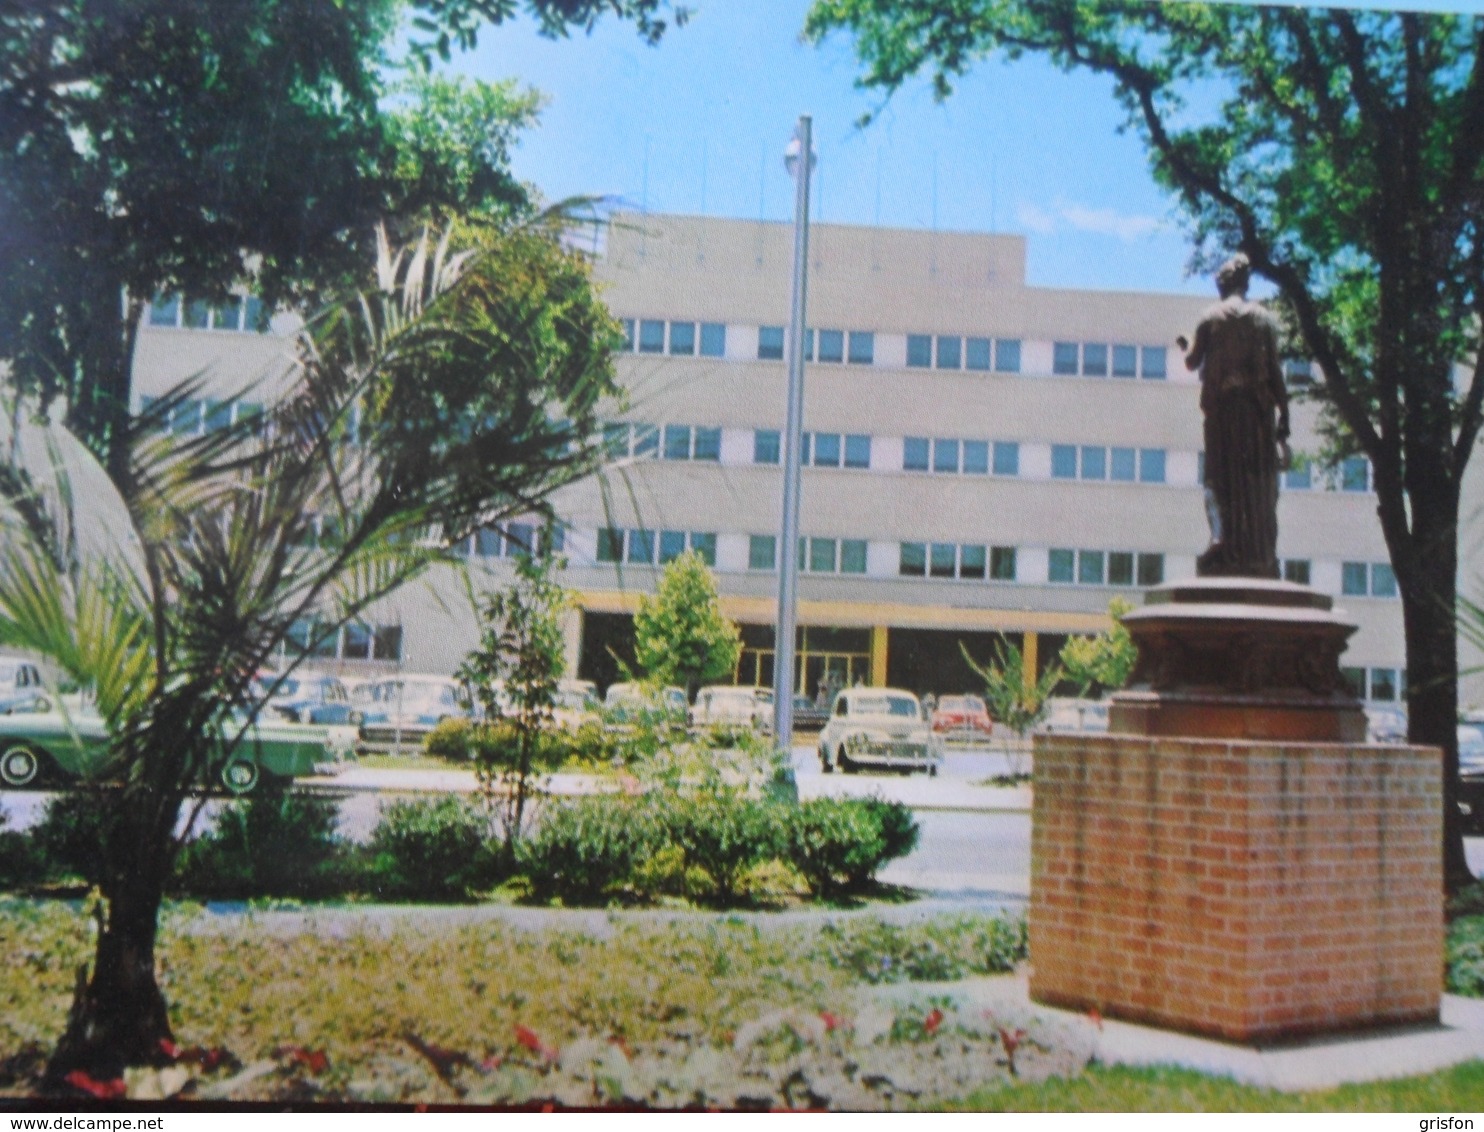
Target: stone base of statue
x,y
1234,860
1241,658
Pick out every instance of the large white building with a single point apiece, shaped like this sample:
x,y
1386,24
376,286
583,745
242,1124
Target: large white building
x,y
983,457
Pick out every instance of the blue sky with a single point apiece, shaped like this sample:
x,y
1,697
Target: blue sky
x,y
698,125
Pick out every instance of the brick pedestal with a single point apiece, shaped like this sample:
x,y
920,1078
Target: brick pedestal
x,y
1243,890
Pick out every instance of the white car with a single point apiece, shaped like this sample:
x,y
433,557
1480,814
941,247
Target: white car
x,y
878,727
1065,714
730,705
20,686
397,713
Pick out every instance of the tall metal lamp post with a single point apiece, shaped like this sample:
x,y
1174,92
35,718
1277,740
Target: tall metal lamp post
x,y
788,564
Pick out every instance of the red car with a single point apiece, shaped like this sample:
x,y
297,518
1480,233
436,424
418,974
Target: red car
x,y
962,717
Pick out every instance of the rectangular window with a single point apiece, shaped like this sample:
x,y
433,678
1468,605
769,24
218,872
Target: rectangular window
x,y
1007,355
1064,358
976,353
762,551
553,538
831,346
765,446
1153,358
913,562
857,451
950,351
487,542
616,440
1383,684
826,449
713,339
610,545
708,444
1354,680
520,538
1120,568
853,556
185,418
628,333
386,644
1354,578
1383,580
704,545
808,345
197,315
651,336
920,350
1094,462
1299,477
915,454
1151,569
218,414
165,311
971,562
1296,570
1151,465
646,440
1002,563
1006,458
1121,464
228,316
1064,461
672,545
682,337
770,343
1061,565
945,455
804,449
356,641
257,316
976,457
1355,474
641,547
862,347
944,560
822,555
1125,361
1090,567
1296,371
677,442
1095,359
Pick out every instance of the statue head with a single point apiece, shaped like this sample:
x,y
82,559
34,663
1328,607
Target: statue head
x,y
1232,276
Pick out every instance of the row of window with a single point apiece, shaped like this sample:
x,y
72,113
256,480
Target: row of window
x,y
1384,684
356,641
1367,579
1095,462
669,442
194,417
1352,474
1104,567
945,455
237,313
952,560
514,540
816,555
686,339
1098,359
949,351
857,347
648,548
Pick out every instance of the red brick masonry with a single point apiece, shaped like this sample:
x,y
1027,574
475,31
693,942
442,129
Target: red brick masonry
x,y
1238,889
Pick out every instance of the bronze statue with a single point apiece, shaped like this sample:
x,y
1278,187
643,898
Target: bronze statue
x,y
1245,405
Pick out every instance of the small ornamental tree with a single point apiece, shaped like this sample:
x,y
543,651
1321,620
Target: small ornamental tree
x,y
1104,661
680,635
514,673
1013,700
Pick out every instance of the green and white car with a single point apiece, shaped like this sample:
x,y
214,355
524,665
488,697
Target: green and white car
x,y
37,747
878,729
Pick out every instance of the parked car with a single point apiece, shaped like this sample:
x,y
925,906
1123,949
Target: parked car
x,y
962,718
37,747
1067,714
1385,725
576,704
732,705
312,699
810,714
397,713
878,727
20,686
625,701
1471,777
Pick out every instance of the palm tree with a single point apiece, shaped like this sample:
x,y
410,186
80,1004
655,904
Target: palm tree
x,y
458,390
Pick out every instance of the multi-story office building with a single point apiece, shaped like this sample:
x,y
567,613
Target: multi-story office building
x,y
981,457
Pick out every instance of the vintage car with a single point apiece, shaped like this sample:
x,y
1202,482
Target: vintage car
x,y
311,699
878,728
730,705
576,704
20,686
625,702
810,714
397,713
1065,714
39,747
963,719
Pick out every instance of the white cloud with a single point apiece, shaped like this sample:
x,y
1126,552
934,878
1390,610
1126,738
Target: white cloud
x,y
1064,214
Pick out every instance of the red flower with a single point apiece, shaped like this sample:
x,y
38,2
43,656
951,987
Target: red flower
x,y
1011,1040
832,1022
102,1090
933,1021
315,1060
532,1041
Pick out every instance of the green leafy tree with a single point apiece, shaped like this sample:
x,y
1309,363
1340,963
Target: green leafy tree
x,y
514,672
1342,151
680,635
456,392
1105,660
1013,699
163,146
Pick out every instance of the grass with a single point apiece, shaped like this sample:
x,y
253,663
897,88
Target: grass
x,y
410,761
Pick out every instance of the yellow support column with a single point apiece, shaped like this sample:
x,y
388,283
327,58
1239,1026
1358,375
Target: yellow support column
x,y
1028,654
878,656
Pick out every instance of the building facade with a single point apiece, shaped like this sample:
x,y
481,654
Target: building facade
x,y
982,457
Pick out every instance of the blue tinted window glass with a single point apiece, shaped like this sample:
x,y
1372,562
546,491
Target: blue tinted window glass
x,y
672,545
1151,569
1354,474
610,545
914,560
1383,580
708,444
945,455
976,457
1064,461
915,454
770,343
682,337
920,350
1299,477
1007,355
1006,458
228,316
616,440
1151,465
1002,564
943,560
1064,357
1154,361
765,446
677,442
822,555
1122,464
1125,361
976,353
713,339
971,562
1095,359
826,449
761,551
641,546
1354,578
705,546
950,351
165,311
651,336
1090,567
1060,565
857,451
831,346
1094,462
628,333
852,556
862,347
197,315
